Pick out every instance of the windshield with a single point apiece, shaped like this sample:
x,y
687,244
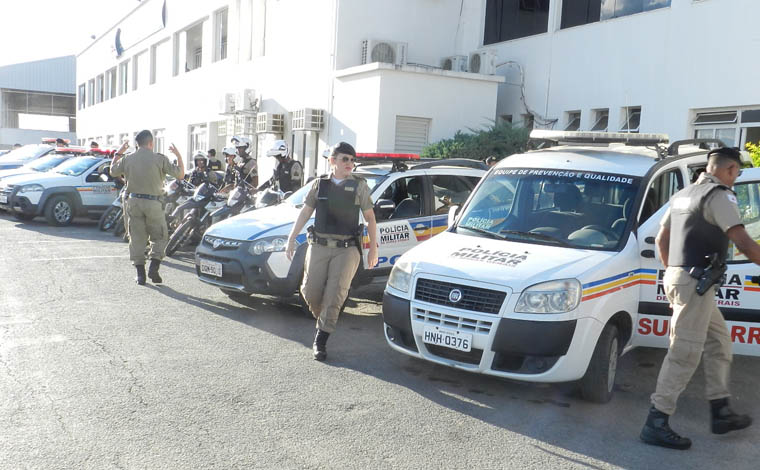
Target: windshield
x,y
45,163
299,195
76,166
25,153
580,209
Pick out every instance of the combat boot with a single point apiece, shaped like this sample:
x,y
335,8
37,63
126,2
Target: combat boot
x,y
140,279
153,271
657,432
724,419
320,345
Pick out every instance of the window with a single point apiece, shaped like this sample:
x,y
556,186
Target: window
x,y
631,119
528,121
110,141
158,140
513,19
573,121
123,77
91,92
451,190
220,35
192,39
122,138
748,200
81,96
406,194
717,125
506,118
659,192
99,89
580,12
618,8
601,120
43,111
141,70
111,84
161,61
412,134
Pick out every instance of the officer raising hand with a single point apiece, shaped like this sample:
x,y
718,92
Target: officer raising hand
x,y
697,227
334,251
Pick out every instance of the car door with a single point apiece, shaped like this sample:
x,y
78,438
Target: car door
x,y
447,190
98,193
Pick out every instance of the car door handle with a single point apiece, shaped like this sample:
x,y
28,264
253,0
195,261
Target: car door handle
x,y
647,253
649,240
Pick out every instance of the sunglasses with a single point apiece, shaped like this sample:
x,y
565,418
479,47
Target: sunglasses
x,y
347,159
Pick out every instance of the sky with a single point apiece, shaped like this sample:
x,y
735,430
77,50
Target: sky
x,y
40,29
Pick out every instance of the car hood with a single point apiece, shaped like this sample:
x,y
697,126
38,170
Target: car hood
x,y
265,222
15,172
46,179
506,263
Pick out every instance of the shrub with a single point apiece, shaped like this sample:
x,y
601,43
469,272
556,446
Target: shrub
x,y
754,152
501,140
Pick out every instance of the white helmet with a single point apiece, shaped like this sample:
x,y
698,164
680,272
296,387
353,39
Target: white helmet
x,y
201,155
279,149
229,151
241,141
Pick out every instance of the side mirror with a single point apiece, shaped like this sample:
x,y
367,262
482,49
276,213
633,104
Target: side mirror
x,y
384,208
453,212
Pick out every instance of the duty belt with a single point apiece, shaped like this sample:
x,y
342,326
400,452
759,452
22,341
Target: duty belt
x,y
144,196
330,242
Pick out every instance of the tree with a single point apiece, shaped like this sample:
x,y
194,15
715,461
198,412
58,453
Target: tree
x,y
754,152
500,139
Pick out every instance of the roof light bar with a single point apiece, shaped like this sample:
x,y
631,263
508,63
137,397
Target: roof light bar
x,y
589,137
389,156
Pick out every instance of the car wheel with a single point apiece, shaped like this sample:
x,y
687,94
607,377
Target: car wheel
x,y
59,211
599,381
23,216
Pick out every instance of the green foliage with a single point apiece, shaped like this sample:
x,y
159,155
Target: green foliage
x,y
501,140
754,152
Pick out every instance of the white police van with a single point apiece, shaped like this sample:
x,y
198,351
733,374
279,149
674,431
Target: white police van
x,y
549,272
246,254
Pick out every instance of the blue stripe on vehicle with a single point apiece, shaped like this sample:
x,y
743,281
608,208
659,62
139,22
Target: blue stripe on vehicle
x,y
269,230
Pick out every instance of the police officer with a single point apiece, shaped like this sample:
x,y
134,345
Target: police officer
x,y
214,164
334,252
144,171
232,173
492,161
245,161
288,173
701,220
201,173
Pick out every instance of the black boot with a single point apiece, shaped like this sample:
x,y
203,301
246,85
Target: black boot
x,y
724,419
657,432
320,345
140,279
153,271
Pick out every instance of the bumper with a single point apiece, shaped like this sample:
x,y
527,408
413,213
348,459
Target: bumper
x,y
23,205
535,351
268,274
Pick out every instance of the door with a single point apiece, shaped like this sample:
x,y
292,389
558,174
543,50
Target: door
x,y
448,190
95,192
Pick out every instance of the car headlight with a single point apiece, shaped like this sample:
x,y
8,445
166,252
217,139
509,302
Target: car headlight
x,y
31,188
558,296
268,245
401,276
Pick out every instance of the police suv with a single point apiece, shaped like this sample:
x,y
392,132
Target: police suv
x,y
80,185
549,272
246,254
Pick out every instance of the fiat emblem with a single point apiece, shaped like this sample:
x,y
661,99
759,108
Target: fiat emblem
x,y
217,243
455,295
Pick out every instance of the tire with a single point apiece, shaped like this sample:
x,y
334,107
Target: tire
x,y
598,383
108,219
59,211
119,229
179,237
23,216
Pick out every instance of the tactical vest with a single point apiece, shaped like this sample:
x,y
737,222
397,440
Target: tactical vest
x,y
692,238
284,176
337,209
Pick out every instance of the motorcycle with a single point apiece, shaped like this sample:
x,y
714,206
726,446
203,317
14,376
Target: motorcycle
x,y
176,192
197,219
241,199
269,197
113,214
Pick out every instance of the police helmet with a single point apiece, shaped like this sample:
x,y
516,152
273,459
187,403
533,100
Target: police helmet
x,y
200,155
241,141
229,151
279,149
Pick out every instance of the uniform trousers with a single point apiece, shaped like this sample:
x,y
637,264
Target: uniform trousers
x,y
328,273
146,223
697,330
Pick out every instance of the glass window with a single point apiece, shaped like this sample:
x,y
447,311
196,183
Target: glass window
x,y
111,83
123,77
601,121
632,119
513,19
579,12
406,194
194,47
659,192
220,35
161,57
76,166
141,70
573,121
618,8
528,121
81,96
45,163
716,118
198,138
158,140
748,200
91,92
100,89
450,190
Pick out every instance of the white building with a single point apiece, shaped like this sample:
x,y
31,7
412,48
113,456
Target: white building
x,y
37,100
682,67
292,69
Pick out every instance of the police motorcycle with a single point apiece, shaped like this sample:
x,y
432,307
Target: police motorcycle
x,y
240,199
113,214
176,193
197,218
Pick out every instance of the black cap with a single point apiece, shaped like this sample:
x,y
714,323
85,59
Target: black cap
x,y
342,147
727,152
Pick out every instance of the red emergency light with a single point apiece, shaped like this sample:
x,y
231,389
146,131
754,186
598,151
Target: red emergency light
x,y
81,150
388,156
52,140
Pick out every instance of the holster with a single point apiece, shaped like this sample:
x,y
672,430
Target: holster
x,y
358,237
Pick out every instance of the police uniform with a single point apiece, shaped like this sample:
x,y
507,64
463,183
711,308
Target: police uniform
x,y
287,176
144,171
333,255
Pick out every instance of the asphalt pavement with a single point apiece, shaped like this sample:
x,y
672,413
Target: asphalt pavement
x,y
97,372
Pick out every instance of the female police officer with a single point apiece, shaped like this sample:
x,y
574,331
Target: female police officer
x,y
334,252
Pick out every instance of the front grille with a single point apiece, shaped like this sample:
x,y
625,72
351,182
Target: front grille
x,y
451,321
472,357
219,243
475,299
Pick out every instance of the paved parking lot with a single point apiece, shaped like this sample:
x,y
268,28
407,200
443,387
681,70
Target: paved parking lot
x,y
97,372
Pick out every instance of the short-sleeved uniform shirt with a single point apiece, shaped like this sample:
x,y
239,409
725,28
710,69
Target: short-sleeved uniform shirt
x,y
363,200
144,171
720,207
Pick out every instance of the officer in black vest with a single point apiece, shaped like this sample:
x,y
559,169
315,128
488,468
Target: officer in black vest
x,y
701,220
334,251
288,174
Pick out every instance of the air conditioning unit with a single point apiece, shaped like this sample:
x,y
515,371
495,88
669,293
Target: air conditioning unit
x,y
246,101
227,103
307,119
483,62
270,123
456,63
389,52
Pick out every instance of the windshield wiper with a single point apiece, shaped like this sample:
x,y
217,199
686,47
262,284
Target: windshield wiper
x,y
537,236
483,231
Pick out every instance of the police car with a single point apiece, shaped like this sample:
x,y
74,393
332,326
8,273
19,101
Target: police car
x,y
23,155
44,163
81,185
246,254
549,273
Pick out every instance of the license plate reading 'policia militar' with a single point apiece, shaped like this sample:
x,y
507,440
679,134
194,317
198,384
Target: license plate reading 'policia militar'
x,y
448,338
211,267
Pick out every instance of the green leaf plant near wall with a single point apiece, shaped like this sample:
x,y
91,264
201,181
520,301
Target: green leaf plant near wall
x,y
754,153
501,140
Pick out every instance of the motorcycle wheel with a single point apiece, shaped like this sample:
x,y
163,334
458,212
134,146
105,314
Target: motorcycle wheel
x,y
179,237
108,219
118,228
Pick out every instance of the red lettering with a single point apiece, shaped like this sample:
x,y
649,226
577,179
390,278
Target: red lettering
x,y
754,335
660,331
645,326
737,333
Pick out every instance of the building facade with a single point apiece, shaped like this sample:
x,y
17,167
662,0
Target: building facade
x,y
37,100
310,72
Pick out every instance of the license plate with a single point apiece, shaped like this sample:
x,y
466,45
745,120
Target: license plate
x,y
211,267
448,338
3,199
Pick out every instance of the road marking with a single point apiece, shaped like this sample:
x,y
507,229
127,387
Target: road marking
x,y
78,257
